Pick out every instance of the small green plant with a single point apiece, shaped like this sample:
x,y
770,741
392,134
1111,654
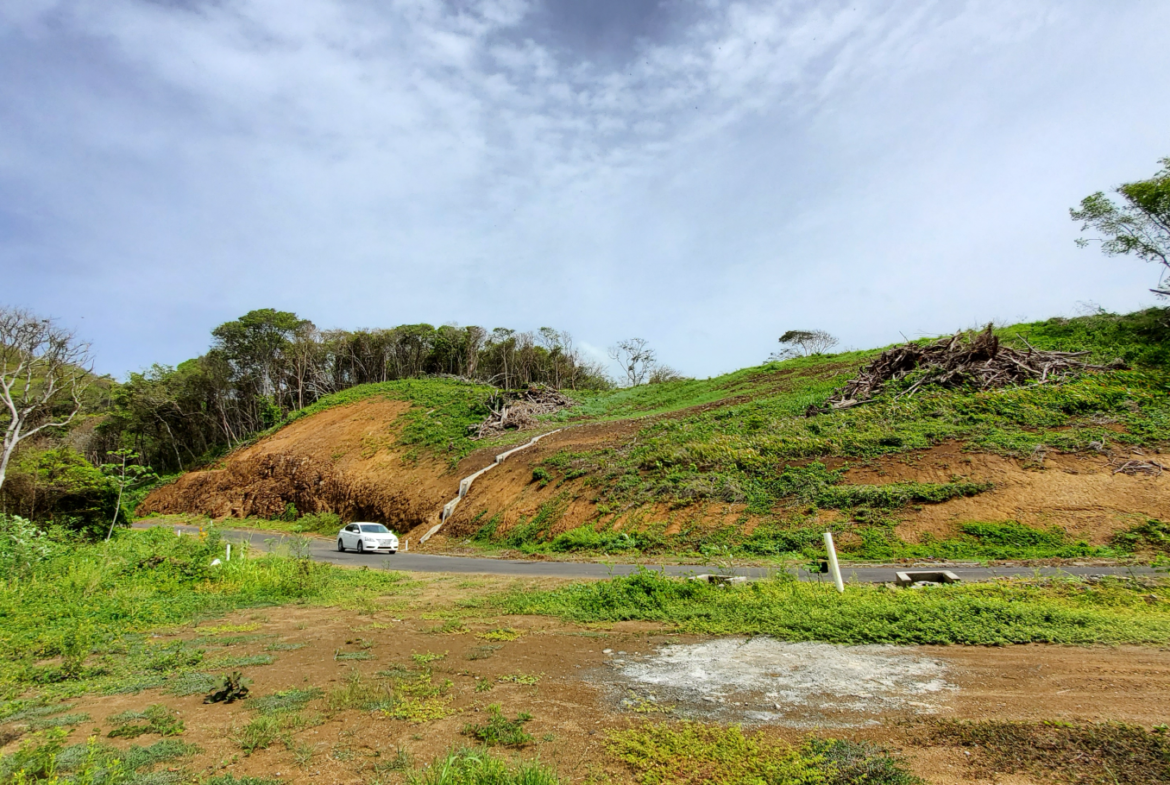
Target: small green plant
x,y
503,634
528,679
482,652
352,655
427,657
479,767
156,718
284,701
499,730
541,476
233,688
483,685
360,693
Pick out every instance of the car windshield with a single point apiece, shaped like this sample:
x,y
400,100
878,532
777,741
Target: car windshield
x,y
375,528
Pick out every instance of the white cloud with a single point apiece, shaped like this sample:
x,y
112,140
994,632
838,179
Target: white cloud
x,y
862,167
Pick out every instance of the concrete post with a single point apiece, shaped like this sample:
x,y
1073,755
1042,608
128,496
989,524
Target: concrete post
x,y
833,566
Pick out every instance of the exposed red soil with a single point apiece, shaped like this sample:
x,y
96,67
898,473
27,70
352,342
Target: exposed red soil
x,y
1078,493
340,460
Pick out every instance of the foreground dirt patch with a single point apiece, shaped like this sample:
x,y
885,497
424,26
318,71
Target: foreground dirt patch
x,y
578,681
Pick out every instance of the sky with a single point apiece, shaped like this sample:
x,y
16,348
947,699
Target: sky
x,y
702,174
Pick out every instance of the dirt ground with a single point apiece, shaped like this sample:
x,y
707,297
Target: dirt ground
x,y
588,679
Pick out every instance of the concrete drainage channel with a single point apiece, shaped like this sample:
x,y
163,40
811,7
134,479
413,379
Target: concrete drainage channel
x,y
465,483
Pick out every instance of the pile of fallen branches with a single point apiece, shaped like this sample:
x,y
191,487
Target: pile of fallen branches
x,y
517,410
977,360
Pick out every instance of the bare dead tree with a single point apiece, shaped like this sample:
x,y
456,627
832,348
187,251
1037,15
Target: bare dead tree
x,y
44,370
802,343
636,358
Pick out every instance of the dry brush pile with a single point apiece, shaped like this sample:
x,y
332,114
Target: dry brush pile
x,y
974,360
518,410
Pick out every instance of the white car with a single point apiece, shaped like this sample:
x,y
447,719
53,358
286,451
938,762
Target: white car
x,y
367,538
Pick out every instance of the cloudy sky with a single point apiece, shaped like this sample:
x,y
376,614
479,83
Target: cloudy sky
x,y
699,173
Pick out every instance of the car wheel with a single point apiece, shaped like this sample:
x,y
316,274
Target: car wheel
x,y
361,547
340,546
393,552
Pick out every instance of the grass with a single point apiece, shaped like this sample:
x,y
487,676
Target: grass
x,y
1085,754
1004,612
89,604
500,731
44,757
479,767
687,752
156,719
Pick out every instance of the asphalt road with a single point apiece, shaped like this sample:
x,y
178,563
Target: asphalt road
x,y
326,551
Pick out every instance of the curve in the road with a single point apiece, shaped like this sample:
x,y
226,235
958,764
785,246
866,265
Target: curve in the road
x,y
323,551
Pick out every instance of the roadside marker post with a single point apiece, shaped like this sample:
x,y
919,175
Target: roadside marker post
x,y
834,568
228,555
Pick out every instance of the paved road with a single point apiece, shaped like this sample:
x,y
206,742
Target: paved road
x,y
325,551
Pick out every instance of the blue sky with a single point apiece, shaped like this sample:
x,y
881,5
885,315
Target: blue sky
x,y
702,174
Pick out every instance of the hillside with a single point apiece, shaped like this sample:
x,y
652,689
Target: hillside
x,y
731,466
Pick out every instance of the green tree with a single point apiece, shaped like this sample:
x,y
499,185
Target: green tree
x,y
1140,225
125,475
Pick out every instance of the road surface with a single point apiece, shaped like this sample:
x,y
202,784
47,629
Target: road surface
x,y
325,551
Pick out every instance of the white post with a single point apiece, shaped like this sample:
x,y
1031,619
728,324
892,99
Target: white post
x,y
833,567
228,556
405,546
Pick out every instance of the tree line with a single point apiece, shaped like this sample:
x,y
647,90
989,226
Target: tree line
x,y
269,363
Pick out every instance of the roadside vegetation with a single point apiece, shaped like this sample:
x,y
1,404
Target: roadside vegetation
x,y
75,615
1068,611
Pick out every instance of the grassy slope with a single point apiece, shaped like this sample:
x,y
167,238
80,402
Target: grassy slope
x,y
758,449
742,438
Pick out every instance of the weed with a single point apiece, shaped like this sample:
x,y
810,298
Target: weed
x,y
193,683
483,685
1105,753
688,752
234,687
399,761
427,657
352,655
231,779
418,710
359,693
285,700
499,730
502,634
45,758
280,646
479,767
858,763
156,718
528,679
482,652
224,663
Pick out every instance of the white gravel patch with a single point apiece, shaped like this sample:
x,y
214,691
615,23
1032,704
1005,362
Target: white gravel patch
x,y
803,684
